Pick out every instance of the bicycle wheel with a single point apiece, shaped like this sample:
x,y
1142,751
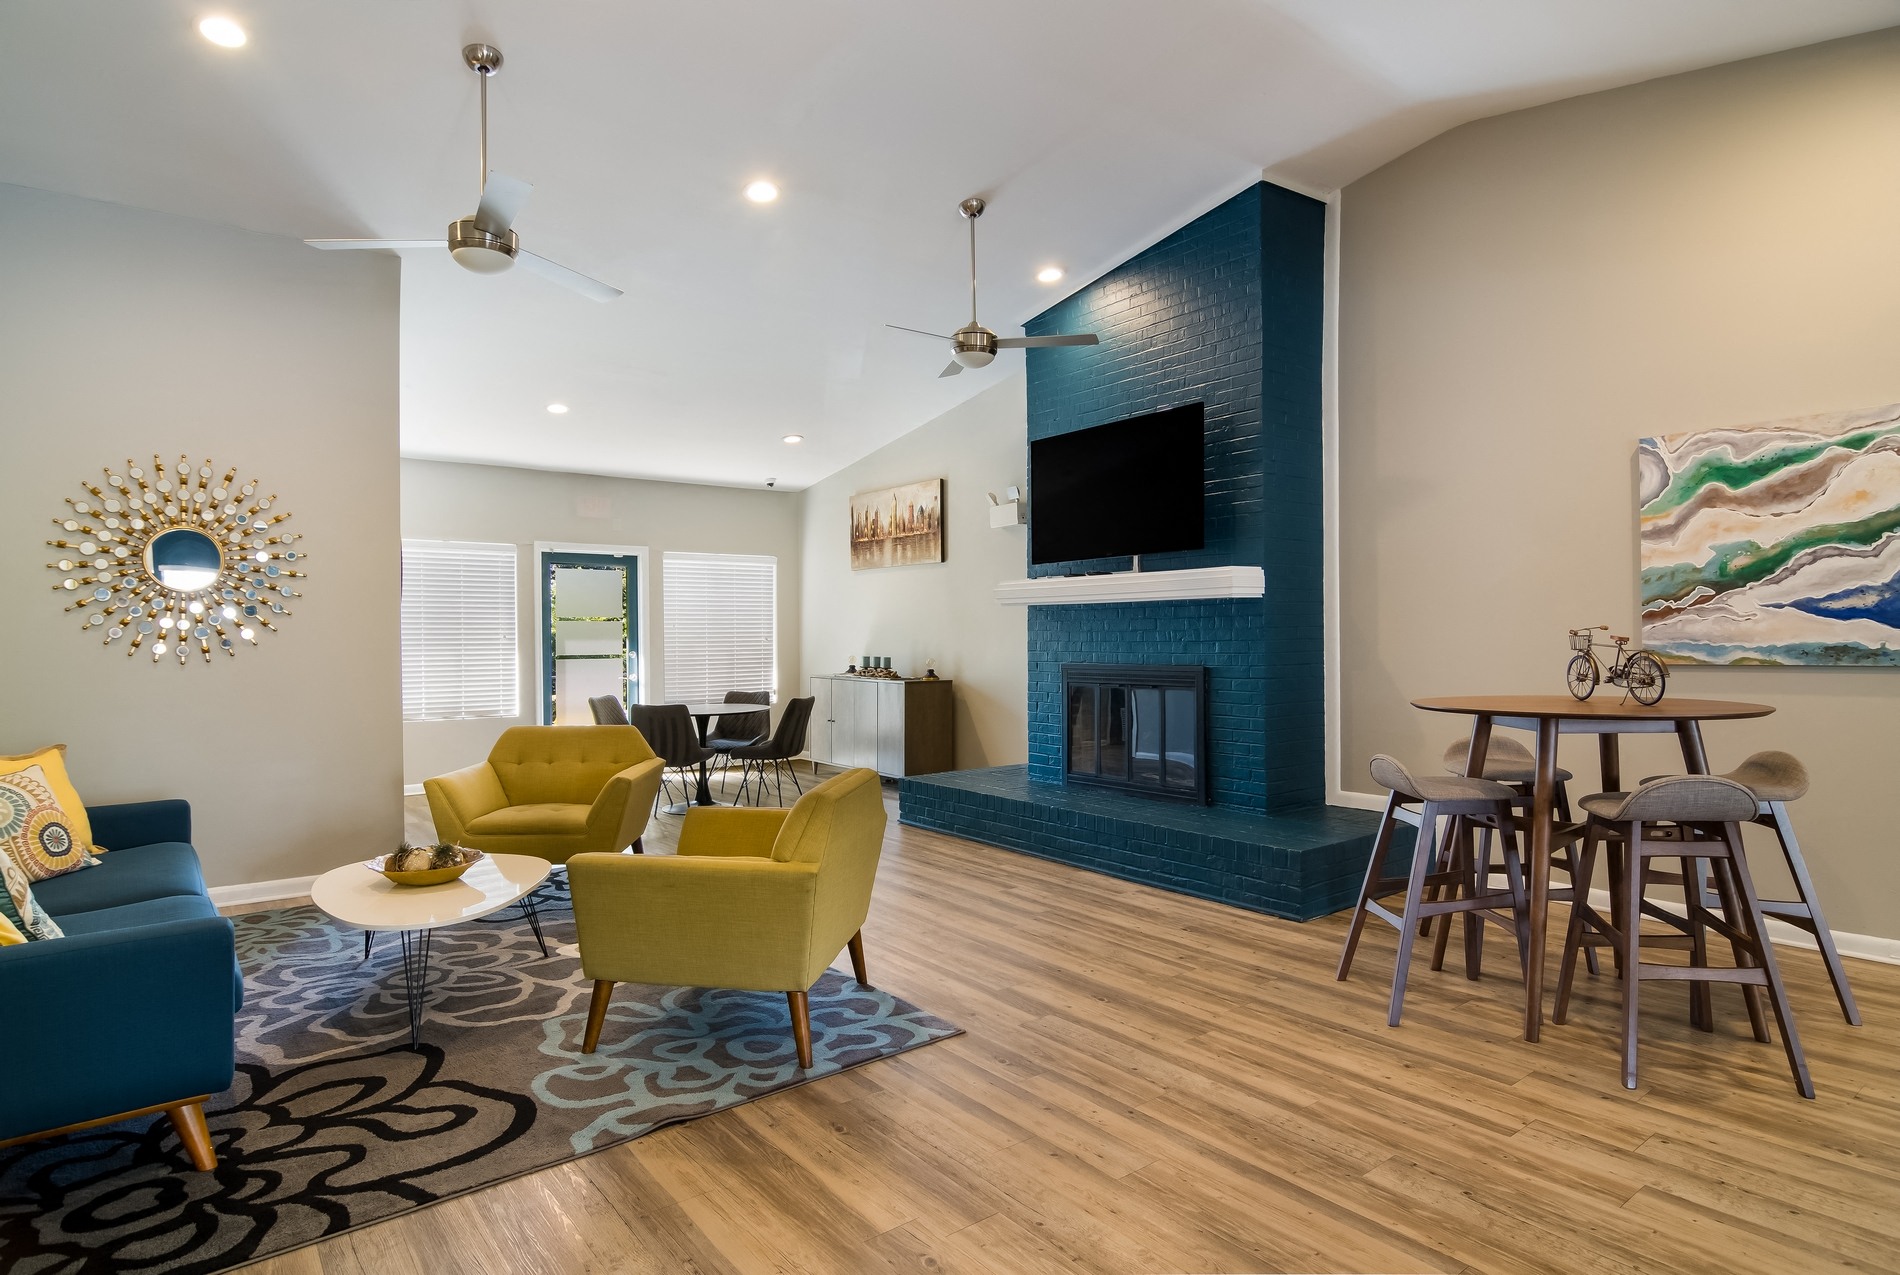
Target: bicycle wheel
x,y
1582,676
1647,679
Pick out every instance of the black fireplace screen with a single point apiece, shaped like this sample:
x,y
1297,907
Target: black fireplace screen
x,y
1138,727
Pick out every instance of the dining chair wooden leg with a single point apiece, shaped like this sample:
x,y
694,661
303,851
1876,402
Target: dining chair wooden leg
x,y
1584,857
1727,891
1701,997
800,1005
1477,852
597,1014
1632,890
1453,858
1375,872
1765,950
1422,858
188,1121
857,959
1807,913
1520,898
1617,855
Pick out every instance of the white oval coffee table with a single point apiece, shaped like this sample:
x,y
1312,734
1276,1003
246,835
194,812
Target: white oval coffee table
x,y
358,896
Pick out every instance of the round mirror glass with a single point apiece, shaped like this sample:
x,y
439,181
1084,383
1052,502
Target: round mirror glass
x,y
183,559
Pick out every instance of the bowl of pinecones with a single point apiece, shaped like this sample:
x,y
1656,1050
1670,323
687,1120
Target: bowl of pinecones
x,y
425,865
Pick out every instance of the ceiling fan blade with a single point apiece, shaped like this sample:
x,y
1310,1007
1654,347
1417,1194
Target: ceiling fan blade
x,y
952,370
920,332
330,244
592,289
503,198
1037,342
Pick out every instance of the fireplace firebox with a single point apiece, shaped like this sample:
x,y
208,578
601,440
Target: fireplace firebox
x,y
1141,728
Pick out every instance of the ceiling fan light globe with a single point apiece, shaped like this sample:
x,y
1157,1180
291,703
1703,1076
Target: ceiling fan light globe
x,y
481,260
476,250
975,358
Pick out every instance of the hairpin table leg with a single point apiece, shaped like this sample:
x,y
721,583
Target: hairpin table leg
x,y
415,978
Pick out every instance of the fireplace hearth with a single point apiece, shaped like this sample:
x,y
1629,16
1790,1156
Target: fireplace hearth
x,y
1139,728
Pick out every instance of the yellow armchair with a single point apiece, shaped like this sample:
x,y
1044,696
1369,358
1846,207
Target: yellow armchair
x,y
550,791
761,900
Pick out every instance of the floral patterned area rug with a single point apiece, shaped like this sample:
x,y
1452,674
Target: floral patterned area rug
x,y
334,1122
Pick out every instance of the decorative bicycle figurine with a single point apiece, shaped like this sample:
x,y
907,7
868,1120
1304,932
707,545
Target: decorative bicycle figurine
x,y
1639,673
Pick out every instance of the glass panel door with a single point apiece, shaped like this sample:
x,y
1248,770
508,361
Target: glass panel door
x,y
590,634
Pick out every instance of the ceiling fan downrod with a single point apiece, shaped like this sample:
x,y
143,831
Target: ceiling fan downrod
x,y
971,210
484,60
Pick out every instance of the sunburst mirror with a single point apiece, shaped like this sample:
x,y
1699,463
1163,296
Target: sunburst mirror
x,y
176,561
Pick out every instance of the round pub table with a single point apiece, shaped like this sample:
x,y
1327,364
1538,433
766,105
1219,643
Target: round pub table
x,y
702,715
1549,716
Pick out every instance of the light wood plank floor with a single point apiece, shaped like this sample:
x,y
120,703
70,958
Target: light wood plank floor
x,y
1153,1083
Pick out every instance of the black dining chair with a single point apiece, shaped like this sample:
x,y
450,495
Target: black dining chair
x,y
608,710
737,730
669,732
787,742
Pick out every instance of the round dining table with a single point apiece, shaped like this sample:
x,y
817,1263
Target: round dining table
x,y
702,715
1551,716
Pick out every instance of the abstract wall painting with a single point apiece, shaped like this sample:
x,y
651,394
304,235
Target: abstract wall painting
x,y
898,526
1774,544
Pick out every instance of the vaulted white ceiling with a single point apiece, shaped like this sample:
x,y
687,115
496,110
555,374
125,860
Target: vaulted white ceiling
x,y
1093,126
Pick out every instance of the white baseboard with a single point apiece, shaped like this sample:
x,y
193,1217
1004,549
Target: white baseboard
x,y
412,790
229,896
1355,800
1864,947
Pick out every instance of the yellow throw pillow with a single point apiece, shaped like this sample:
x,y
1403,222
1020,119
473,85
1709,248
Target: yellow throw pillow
x,y
10,933
52,760
36,831
19,908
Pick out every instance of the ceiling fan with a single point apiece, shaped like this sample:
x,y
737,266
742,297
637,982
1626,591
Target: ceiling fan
x,y
483,241
974,345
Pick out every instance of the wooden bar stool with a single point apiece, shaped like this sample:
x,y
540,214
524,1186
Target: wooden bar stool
x,y
1777,778
1510,763
1478,802
1697,819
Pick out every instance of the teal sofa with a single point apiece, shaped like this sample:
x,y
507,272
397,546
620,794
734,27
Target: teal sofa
x,y
132,1012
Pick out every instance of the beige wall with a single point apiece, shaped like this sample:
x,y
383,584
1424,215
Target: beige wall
x,y
942,612
442,501
1526,296
124,333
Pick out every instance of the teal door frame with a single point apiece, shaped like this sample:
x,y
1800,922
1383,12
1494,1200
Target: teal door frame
x,y
550,559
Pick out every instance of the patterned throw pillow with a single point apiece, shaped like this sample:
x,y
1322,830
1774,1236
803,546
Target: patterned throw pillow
x,y
18,906
52,761
36,830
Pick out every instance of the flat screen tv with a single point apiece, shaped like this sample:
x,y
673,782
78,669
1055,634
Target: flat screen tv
x,y
1129,487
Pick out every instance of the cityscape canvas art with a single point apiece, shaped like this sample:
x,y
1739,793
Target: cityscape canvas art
x,y
1774,544
898,526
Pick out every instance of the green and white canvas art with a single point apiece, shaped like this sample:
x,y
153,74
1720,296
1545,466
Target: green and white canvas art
x,y
1774,544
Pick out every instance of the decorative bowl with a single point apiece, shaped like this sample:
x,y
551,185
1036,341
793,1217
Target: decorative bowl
x,y
424,876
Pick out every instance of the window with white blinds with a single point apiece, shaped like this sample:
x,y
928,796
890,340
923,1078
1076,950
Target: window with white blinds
x,y
459,648
721,625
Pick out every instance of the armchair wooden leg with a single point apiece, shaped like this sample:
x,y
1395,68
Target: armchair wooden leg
x,y
188,1118
857,959
597,1013
801,1025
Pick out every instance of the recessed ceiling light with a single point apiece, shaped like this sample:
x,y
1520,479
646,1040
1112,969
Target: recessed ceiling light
x,y
559,409
794,438
761,192
222,32
1049,274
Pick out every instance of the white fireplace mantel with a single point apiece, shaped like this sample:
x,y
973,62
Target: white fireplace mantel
x,y
1135,586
